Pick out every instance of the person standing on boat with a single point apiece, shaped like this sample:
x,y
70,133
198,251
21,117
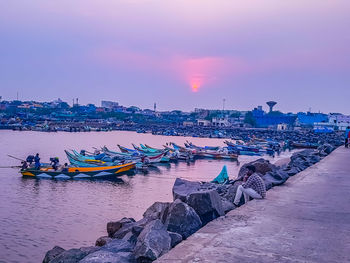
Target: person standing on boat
x,y
254,187
37,162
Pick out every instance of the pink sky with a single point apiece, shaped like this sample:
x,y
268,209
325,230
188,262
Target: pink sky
x,y
141,52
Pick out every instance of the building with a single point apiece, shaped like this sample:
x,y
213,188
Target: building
x,y
272,119
220,121
109,104
203,123
309,119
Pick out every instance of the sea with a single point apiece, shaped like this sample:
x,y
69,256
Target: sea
x,y
37,214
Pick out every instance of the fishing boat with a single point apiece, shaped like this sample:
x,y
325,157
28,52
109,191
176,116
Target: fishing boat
x,y
97,172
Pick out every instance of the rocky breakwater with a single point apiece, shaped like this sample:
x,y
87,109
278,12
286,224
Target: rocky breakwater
x,y
164,225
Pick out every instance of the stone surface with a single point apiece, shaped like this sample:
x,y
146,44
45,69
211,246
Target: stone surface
x,y
182,219
104,256
74,255
175,238
118,245
261,165
304,220
113,227
158,210
182,188
101,241
153,241
207,204
51,254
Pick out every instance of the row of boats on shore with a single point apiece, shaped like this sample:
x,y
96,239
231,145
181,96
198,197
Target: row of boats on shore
x,y
105,163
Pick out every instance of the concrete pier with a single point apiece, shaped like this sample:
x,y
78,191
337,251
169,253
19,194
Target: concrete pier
x,y
305,220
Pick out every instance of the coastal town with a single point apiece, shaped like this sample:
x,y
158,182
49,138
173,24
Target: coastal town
x,y
58,115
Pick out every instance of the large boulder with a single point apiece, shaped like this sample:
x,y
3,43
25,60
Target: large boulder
x,y
74,255
153,242
158,210
274,178
261,165
104,256
53,253
113,227
182,188
207,204
182,219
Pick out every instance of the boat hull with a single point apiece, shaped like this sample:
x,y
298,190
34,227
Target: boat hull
x,y
81,172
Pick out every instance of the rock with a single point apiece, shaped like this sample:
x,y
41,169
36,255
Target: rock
x,y
131,238
101,241
157,211
51,254
274,178
74,255
182,188
292,171
231,191
261,165
182,219
118,245
104,256
207,205
175,239
227,206
125,228
280,175
113,227
153,241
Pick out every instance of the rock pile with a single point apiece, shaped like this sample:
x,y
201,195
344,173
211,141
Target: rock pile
x,y
164,225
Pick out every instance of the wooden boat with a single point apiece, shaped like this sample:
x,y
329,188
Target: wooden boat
x,y
99,172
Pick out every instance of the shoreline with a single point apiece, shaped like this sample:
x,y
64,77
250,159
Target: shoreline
x,y
156,218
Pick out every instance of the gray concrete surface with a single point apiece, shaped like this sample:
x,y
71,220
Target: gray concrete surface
x,y
305,220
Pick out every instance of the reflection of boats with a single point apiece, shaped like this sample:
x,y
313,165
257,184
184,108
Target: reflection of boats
x,y
99,172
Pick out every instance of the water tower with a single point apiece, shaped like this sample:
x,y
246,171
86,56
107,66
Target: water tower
x,y
271,104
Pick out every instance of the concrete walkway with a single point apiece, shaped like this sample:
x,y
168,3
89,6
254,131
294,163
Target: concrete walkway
x,y
305,220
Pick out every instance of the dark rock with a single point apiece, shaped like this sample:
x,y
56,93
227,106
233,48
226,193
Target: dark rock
x,y
272,179
175,239
118,245
182,188
157,211
280,175
182,219
51,254
153,241
101,241
113,227
126,227
292,171
74,255
104,256
261,165
207,205
131,238
231,191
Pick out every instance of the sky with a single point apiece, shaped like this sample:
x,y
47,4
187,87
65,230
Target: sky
x,y
180,54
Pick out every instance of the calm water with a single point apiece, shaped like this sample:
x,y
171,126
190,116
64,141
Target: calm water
x,y
35,214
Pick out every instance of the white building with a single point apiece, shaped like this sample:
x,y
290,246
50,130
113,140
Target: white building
x,y
336,121
222,122
203,123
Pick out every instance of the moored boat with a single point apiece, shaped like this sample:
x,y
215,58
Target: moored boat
x,y
97,172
